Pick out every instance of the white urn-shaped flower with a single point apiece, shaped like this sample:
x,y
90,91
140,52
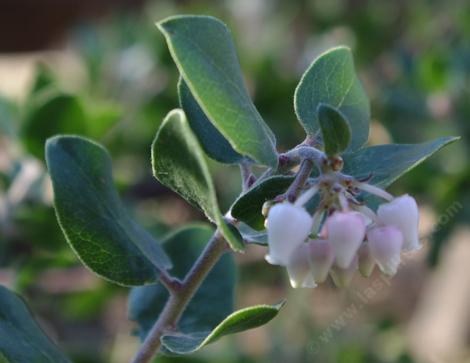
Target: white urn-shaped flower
x,y
299,268
346,231
402,212
288,226
321,258
385,244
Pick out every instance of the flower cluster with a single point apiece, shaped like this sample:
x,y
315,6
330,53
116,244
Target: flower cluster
x,y
343,235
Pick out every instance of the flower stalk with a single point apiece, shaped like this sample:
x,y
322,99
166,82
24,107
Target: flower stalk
x,y
305,170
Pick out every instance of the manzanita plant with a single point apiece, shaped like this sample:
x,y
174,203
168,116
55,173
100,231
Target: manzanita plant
x,y
321,208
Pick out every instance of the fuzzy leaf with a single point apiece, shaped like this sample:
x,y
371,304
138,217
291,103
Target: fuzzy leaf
x,y
179,163
212,141
336,132
205,55
248,207
92,217
241,320
388,162
331,79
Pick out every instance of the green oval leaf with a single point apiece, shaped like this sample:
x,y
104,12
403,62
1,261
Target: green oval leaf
x,y
205,55
335,130
21,338
179,163
241,320
209,315
388,162
212,141
331,79
248,207
92,217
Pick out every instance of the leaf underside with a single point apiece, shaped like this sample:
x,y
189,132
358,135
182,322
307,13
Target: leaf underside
x,y
241,320
179,163
212,141
205,55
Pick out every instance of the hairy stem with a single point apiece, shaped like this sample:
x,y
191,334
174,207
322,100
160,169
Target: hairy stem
x,y
180,297
171,283
295,156
311,141
303,174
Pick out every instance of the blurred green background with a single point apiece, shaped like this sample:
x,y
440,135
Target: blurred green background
x,y
101,69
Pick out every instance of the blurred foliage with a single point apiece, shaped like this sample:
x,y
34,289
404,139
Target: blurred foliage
x,y
413,59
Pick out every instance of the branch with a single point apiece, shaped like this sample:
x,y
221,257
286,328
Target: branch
x,y
295,156
171,283
180,297
181,293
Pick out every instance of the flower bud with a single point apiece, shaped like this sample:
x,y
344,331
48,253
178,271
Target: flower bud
x,y
346,232
298,268
366,261
385,245
402,213
342,277
321,258
265,208
288,227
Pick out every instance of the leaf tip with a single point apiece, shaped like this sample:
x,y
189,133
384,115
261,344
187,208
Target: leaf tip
x,y
453,139
338,49
176,112
53,140
51,145
165,25
278,306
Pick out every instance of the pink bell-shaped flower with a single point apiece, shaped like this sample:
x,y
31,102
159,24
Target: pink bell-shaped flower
x,y
298,268
346,232
402,213
342,277
366,261
288,226
321,258
385,243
